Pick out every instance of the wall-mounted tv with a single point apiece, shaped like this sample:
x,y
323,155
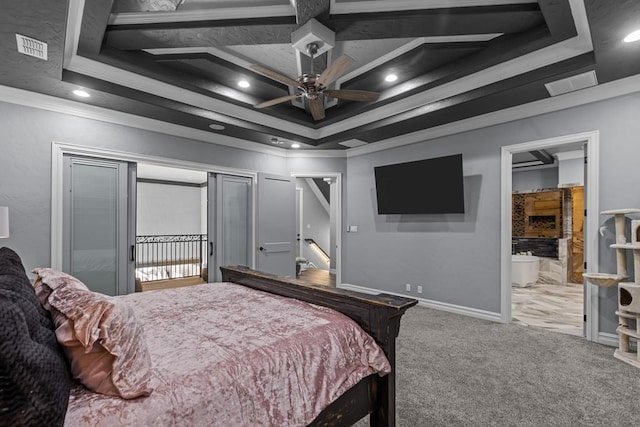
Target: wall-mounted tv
x,y
430,186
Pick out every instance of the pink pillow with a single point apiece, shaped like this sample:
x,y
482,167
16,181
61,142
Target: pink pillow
x,y
100,335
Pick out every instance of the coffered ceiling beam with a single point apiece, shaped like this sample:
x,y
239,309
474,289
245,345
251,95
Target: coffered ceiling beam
x,y
424,23
254,33
437,22
543,156
307,9
557,15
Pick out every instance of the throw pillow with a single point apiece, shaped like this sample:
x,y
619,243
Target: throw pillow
x,y
100,335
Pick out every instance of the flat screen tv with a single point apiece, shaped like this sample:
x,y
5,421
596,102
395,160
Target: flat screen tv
x,y
430,186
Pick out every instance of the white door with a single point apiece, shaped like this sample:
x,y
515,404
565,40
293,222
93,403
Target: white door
x,y
97,230
276,234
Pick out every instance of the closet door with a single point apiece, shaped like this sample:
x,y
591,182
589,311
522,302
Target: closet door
x,y
229,222
96,224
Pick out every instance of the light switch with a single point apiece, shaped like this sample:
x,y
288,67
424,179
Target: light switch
x,y
352,229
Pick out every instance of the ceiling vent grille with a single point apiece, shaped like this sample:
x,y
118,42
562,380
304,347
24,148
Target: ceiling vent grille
x,y
353,143
570,84
31,47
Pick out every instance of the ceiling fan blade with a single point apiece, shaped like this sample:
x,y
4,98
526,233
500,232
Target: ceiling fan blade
x,y
277,101
333,71
353,95
275,75
317,109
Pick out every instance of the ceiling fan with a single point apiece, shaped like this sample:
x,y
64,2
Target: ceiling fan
x,y
314,86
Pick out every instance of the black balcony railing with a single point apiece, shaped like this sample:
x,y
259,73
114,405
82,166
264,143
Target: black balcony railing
x,y
169,256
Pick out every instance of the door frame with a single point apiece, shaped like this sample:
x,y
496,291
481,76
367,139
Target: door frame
x,y
338,207
59,149
592,186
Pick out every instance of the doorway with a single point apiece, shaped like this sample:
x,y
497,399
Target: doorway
x,y
554,145
547,238
171,227
318,226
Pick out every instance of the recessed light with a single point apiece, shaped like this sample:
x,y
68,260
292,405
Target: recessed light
x,y
632,37
216,126
391,78
81,93
295,145
243,83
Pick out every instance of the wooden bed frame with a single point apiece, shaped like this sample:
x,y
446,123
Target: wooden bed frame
x,y
379,316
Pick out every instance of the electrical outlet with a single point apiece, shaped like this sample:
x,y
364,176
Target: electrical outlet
x,y
408,287
419,289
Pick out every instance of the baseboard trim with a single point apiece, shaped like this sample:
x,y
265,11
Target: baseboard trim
x,y
452,308
606,338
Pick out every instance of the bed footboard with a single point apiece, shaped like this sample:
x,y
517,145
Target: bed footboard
x,y
378,315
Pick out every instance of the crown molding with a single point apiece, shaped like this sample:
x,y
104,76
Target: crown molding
x,y
76,108
362,6
602,92
59,105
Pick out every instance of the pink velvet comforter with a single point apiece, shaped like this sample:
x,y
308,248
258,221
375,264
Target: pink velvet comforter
x,y
227,355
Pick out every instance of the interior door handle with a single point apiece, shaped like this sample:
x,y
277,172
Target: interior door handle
x,y
210,248
262,249
133,252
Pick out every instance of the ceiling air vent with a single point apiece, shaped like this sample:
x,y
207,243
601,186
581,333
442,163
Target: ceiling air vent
x,y
352,143
31,47
573,83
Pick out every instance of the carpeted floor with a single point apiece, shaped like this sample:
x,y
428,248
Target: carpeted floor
x,y
456,370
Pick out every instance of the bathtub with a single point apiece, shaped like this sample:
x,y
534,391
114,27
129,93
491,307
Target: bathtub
x,y
524,270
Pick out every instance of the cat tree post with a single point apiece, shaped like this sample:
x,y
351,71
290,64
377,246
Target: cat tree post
x,y
628,292
621,255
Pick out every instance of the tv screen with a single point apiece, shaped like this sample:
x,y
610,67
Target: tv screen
x,y
431,186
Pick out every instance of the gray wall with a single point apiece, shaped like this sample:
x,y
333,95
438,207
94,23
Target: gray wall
x,y
534,179
457,257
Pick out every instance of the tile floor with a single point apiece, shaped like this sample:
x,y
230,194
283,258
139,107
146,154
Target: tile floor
x,y
553,307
